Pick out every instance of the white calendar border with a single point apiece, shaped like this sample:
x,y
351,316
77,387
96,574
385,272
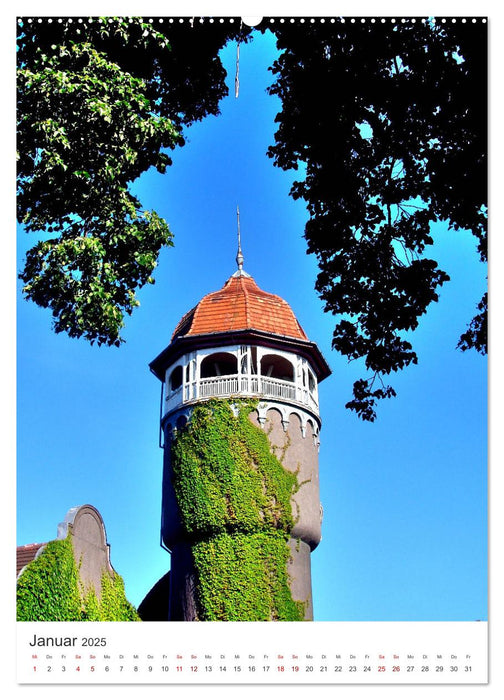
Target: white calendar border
x,y
9,627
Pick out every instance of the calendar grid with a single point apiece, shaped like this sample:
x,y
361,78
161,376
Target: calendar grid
x,y
349,652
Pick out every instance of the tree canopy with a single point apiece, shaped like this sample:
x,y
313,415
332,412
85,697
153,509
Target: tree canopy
x,y
100,102
388,120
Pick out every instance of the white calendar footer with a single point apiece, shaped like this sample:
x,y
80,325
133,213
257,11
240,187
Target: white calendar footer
x,y
252,652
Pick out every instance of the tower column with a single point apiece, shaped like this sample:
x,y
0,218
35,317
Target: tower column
x,y
241,507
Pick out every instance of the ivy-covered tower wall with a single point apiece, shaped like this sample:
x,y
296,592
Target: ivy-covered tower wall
x,y
240,489
241,512
296,445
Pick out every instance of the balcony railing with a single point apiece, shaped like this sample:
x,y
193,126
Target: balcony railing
x,y
233,385
218,386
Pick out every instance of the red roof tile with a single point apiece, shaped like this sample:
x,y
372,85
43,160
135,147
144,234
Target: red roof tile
x,y
26,554
240,305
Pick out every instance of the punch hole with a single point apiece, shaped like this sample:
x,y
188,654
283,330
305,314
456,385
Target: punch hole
x,y
252,21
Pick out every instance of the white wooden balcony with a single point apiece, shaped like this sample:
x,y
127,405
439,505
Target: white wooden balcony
x,y
241,385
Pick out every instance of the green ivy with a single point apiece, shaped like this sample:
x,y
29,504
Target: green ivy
x,y
113,605
234,497
49,589
244,577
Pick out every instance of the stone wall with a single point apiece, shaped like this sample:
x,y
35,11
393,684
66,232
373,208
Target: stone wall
x,y
91,551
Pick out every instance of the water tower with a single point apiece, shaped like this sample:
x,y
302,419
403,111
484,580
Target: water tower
x,y
236,344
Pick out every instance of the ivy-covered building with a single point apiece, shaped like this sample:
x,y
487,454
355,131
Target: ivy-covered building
x,y
240,421
71,577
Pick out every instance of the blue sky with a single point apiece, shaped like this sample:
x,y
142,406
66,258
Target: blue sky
x,y
404,531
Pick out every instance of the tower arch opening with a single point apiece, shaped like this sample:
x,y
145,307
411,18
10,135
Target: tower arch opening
x,y
277,367
219,364
175,380
181,422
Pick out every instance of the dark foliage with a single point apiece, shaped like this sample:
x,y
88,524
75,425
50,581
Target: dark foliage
x,y
100,102
390,122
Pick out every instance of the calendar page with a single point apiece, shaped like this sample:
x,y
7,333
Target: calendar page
x,y
251,347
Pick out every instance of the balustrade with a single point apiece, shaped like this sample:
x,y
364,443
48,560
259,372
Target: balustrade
x,y
231,385
218,386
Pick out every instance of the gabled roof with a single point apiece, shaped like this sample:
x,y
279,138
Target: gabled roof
x,y
25,554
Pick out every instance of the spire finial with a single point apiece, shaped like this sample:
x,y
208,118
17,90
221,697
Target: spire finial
x,y
240,272
239,256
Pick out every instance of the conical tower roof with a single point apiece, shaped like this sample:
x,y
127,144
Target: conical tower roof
x,y
240,305
240,312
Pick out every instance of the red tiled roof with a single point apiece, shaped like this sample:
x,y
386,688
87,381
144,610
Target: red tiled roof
x,y
240,305
26,554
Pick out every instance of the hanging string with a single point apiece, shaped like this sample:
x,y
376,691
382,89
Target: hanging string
x,y
237,74
239,255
